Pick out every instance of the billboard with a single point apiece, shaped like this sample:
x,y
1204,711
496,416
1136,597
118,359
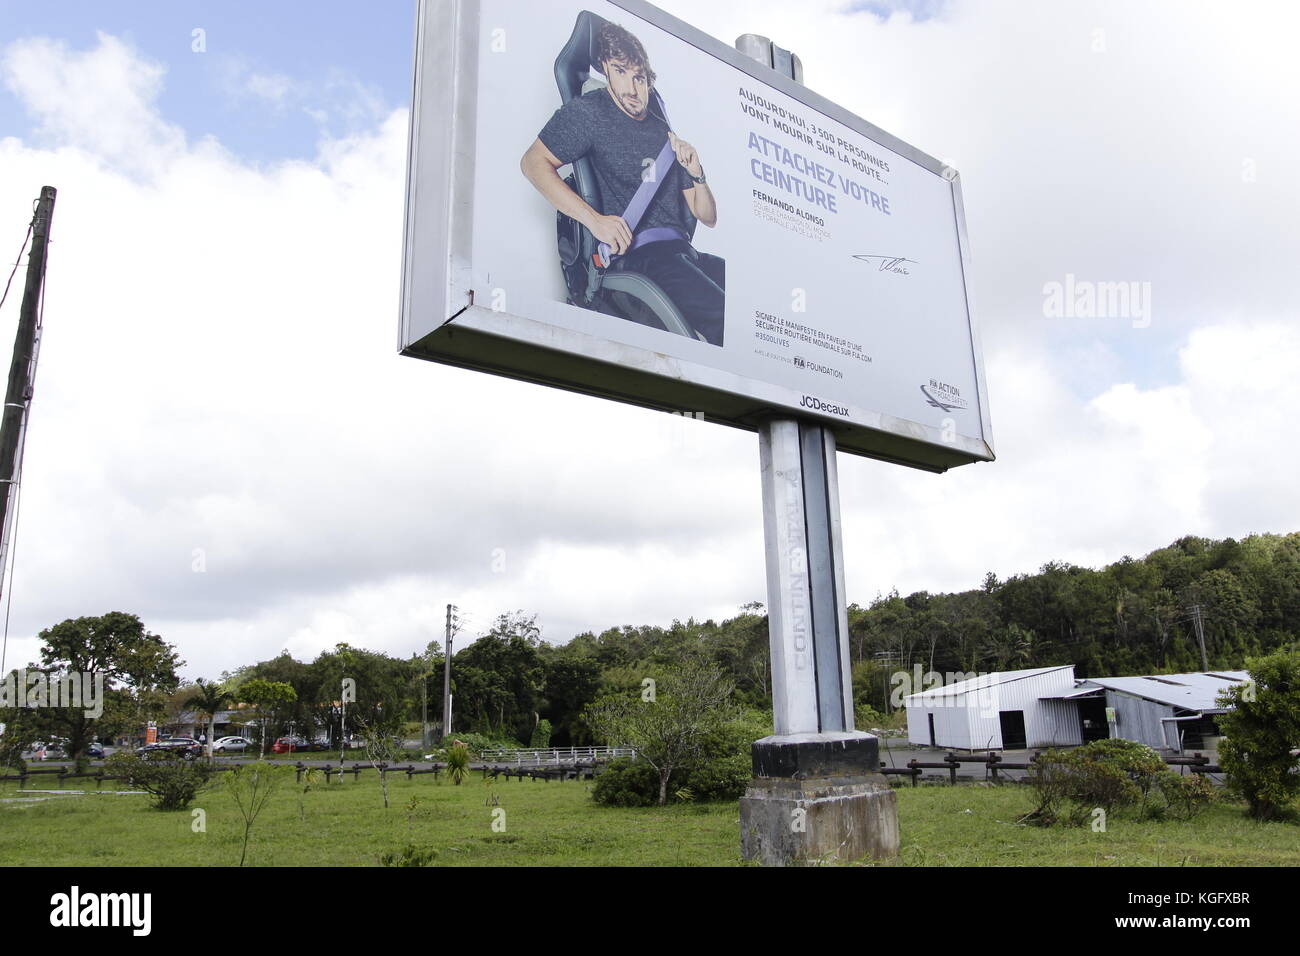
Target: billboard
x,y
604,199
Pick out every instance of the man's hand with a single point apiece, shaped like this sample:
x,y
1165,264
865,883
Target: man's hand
x,y
686,154
612,230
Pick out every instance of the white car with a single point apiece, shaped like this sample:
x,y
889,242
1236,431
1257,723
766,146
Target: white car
x,y
231,744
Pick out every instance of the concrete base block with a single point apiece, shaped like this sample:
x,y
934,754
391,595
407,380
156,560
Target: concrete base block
x,y
819,820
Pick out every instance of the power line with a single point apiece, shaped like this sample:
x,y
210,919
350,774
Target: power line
x,y
17,262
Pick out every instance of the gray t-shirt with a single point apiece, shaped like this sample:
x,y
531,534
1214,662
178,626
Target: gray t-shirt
x,y
618,146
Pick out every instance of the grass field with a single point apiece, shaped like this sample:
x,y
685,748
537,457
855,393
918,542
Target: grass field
x,y
556,823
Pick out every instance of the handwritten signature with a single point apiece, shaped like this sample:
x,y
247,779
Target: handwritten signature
x,y
894,264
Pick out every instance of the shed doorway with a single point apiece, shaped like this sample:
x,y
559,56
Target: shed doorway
x,y
1092,719
1013,729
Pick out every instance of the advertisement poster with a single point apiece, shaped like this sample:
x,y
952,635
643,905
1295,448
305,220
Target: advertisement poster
x,y
640,191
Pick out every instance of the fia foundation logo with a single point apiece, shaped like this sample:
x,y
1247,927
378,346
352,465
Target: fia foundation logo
x,y
943,396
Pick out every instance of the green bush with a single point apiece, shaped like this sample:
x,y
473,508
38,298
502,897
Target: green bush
x,y
1107,774
457,763
722,771
169,778
1185,796
723,778
541,735
630,783
1142,764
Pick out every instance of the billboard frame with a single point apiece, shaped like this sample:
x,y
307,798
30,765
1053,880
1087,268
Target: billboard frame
x,y
440,181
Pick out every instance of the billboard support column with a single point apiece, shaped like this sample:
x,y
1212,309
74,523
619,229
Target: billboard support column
x,y
817,794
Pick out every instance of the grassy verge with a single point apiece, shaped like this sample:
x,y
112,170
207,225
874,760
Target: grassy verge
x,y
943,825
345,824
545,824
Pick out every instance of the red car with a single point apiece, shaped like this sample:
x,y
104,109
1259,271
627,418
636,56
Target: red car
x,y
287,745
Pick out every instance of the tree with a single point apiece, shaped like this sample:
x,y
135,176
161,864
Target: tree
x,y
383,688
266,696
1261,733
138,668
669,727
498,680
208,699
251,787
571,684
382,750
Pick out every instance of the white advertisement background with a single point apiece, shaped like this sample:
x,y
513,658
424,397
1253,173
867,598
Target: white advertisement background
x,y
914,327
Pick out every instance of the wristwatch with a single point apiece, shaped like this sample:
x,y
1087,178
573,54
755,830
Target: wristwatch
x,y
698,180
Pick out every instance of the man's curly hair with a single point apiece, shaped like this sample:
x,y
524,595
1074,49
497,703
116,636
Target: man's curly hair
x,y
616,43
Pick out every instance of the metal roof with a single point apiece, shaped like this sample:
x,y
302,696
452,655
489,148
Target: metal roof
x,y
982,681
1075,694
1197,692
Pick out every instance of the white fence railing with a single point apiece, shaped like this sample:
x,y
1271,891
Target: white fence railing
x,y
555,756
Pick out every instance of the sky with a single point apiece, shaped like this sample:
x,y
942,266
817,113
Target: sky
x,y
224,441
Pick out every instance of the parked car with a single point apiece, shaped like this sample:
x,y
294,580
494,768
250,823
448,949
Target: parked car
x,y
287,745
95,749
231,745
186,747
53,749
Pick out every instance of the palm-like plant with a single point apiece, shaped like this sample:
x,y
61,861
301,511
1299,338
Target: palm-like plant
x,y
457,762
208,699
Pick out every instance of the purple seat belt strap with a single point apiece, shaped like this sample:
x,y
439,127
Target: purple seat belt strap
x,y
644,194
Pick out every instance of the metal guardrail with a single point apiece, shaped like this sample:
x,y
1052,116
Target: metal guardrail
x,y
554,756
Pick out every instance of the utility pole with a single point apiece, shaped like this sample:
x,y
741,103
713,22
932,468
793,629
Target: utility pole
x,y
1195,611
446,679
424,704
22,375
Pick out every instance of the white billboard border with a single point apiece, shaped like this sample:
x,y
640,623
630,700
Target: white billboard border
x,y
452,167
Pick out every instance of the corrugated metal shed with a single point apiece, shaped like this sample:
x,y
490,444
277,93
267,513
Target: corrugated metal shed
x,y
1002,710
1194,692
985,680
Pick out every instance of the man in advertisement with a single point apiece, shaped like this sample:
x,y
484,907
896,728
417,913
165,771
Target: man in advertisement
x,y
646,221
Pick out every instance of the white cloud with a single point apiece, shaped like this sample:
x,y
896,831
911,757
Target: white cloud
x,y
275,88
101,100
219,370
337,101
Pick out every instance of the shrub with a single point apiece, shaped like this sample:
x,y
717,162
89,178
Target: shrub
x,y
629,783
457,763
1049,776
1261,731
172,780
1142,764
541,735
723,778
1185,796
1110,774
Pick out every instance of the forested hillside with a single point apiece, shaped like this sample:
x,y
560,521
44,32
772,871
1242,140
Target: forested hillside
x,y
1135,616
